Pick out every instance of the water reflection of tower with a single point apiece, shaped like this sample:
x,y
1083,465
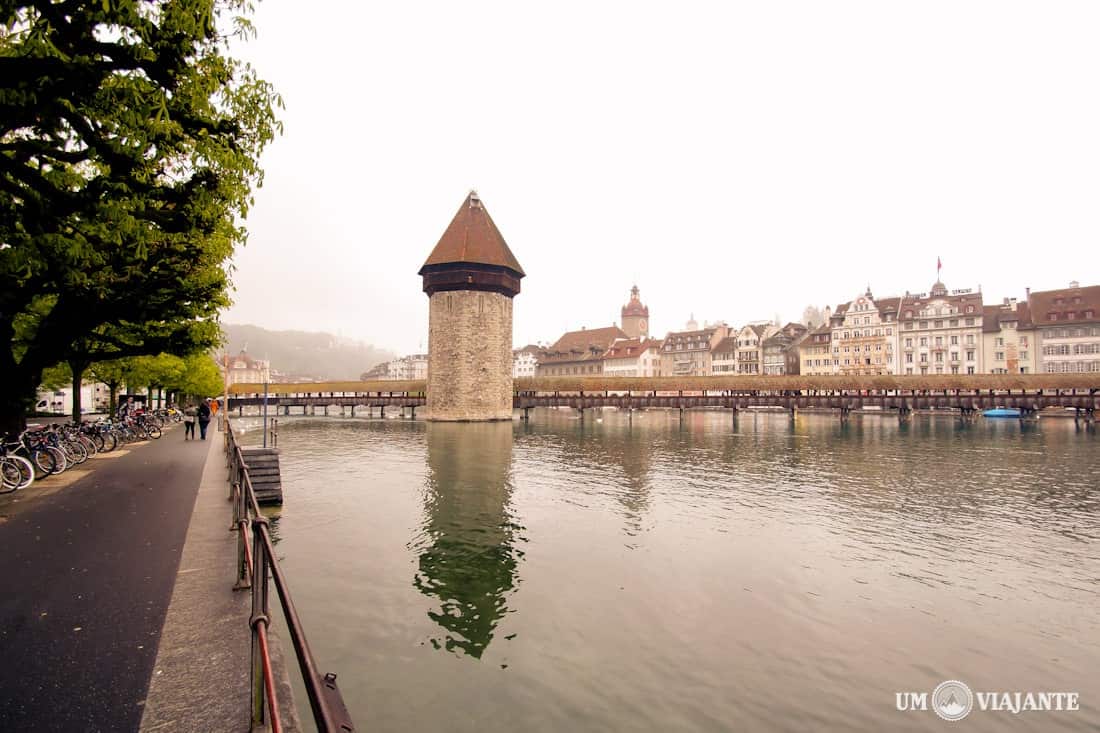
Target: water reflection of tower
x,y
468,558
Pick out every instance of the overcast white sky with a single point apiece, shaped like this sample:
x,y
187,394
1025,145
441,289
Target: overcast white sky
x,y
737,160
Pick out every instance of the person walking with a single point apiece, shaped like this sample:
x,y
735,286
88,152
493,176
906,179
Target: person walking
x,y
189,416
204,417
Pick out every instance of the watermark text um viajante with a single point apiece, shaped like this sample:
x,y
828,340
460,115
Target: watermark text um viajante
x,y
953,700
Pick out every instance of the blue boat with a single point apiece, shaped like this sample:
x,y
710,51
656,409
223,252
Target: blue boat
x,y
1002,412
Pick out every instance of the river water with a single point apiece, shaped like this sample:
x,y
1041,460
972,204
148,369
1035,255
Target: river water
x,y
756,574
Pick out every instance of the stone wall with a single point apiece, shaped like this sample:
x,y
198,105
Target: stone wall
x,y
469,356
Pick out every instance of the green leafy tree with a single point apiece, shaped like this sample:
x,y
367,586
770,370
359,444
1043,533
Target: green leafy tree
x,y
200,377
129,147
113,374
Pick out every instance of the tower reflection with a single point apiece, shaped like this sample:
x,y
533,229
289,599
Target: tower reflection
x,y
468,558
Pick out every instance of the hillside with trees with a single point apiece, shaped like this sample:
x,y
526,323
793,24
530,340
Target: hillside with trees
x,y
305,353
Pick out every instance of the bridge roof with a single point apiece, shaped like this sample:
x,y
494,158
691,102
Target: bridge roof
x,y
1090,380
473,238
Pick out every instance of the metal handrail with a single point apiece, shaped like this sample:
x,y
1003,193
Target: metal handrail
x,y
259,561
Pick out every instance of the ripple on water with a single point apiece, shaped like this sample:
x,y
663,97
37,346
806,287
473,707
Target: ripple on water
x,y
653,575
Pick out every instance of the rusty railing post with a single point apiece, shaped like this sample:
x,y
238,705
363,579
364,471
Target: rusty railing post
x,y
259,616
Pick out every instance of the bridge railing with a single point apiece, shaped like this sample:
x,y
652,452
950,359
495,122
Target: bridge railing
x,y
256,565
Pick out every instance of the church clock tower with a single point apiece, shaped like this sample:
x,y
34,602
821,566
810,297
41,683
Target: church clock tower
x,y
635,317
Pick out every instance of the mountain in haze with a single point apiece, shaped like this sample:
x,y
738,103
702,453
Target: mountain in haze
x,y
305,353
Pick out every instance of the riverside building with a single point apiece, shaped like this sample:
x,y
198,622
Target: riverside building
x,y
1009,342
864,335
578,353
941,332
633,358
816,352
1069,328
688,353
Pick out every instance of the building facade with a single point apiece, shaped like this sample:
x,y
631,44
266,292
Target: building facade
x,y
243,369
864,338
413,366
780,350
749,347
633,358
1009,341
816,352
1069,327
688,353
525,361
941,332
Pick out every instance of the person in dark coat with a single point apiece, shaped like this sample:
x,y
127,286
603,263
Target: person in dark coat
x,y
204,417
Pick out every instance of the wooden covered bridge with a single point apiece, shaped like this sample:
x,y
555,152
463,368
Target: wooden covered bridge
x,y
1029,393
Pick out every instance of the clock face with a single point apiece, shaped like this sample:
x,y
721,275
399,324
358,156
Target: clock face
x,y
641,325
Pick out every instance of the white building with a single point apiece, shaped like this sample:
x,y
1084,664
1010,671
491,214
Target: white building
x,y
635,357
525,361
941,333
864,335
243,369
413,366
1069,323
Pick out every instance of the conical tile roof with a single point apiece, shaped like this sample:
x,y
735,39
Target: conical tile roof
x,y
472,237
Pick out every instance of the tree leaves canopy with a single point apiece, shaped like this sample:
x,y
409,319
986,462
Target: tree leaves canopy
x,y
129,146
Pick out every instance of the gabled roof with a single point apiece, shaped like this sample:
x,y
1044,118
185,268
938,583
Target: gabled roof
x,y
623,348
472,237
728,345
1055,306
888,305
583,345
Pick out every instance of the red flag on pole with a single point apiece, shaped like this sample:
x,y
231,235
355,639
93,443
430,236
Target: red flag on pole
x,y
939,266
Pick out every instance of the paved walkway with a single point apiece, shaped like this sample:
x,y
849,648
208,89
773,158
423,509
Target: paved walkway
x,y
87,568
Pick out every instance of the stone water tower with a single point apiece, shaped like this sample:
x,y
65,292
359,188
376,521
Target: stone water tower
x,y
470,277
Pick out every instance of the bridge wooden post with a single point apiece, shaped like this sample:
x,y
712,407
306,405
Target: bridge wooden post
x,y
383,407
325,408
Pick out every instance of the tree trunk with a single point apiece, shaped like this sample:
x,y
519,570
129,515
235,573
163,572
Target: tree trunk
x,y
112,398
77,368
17,398
18,391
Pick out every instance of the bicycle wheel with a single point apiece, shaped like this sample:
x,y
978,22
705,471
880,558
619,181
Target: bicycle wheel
x,y
153,431
89,444
61,461
10,476
26,468
109,442
80,453
45,461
